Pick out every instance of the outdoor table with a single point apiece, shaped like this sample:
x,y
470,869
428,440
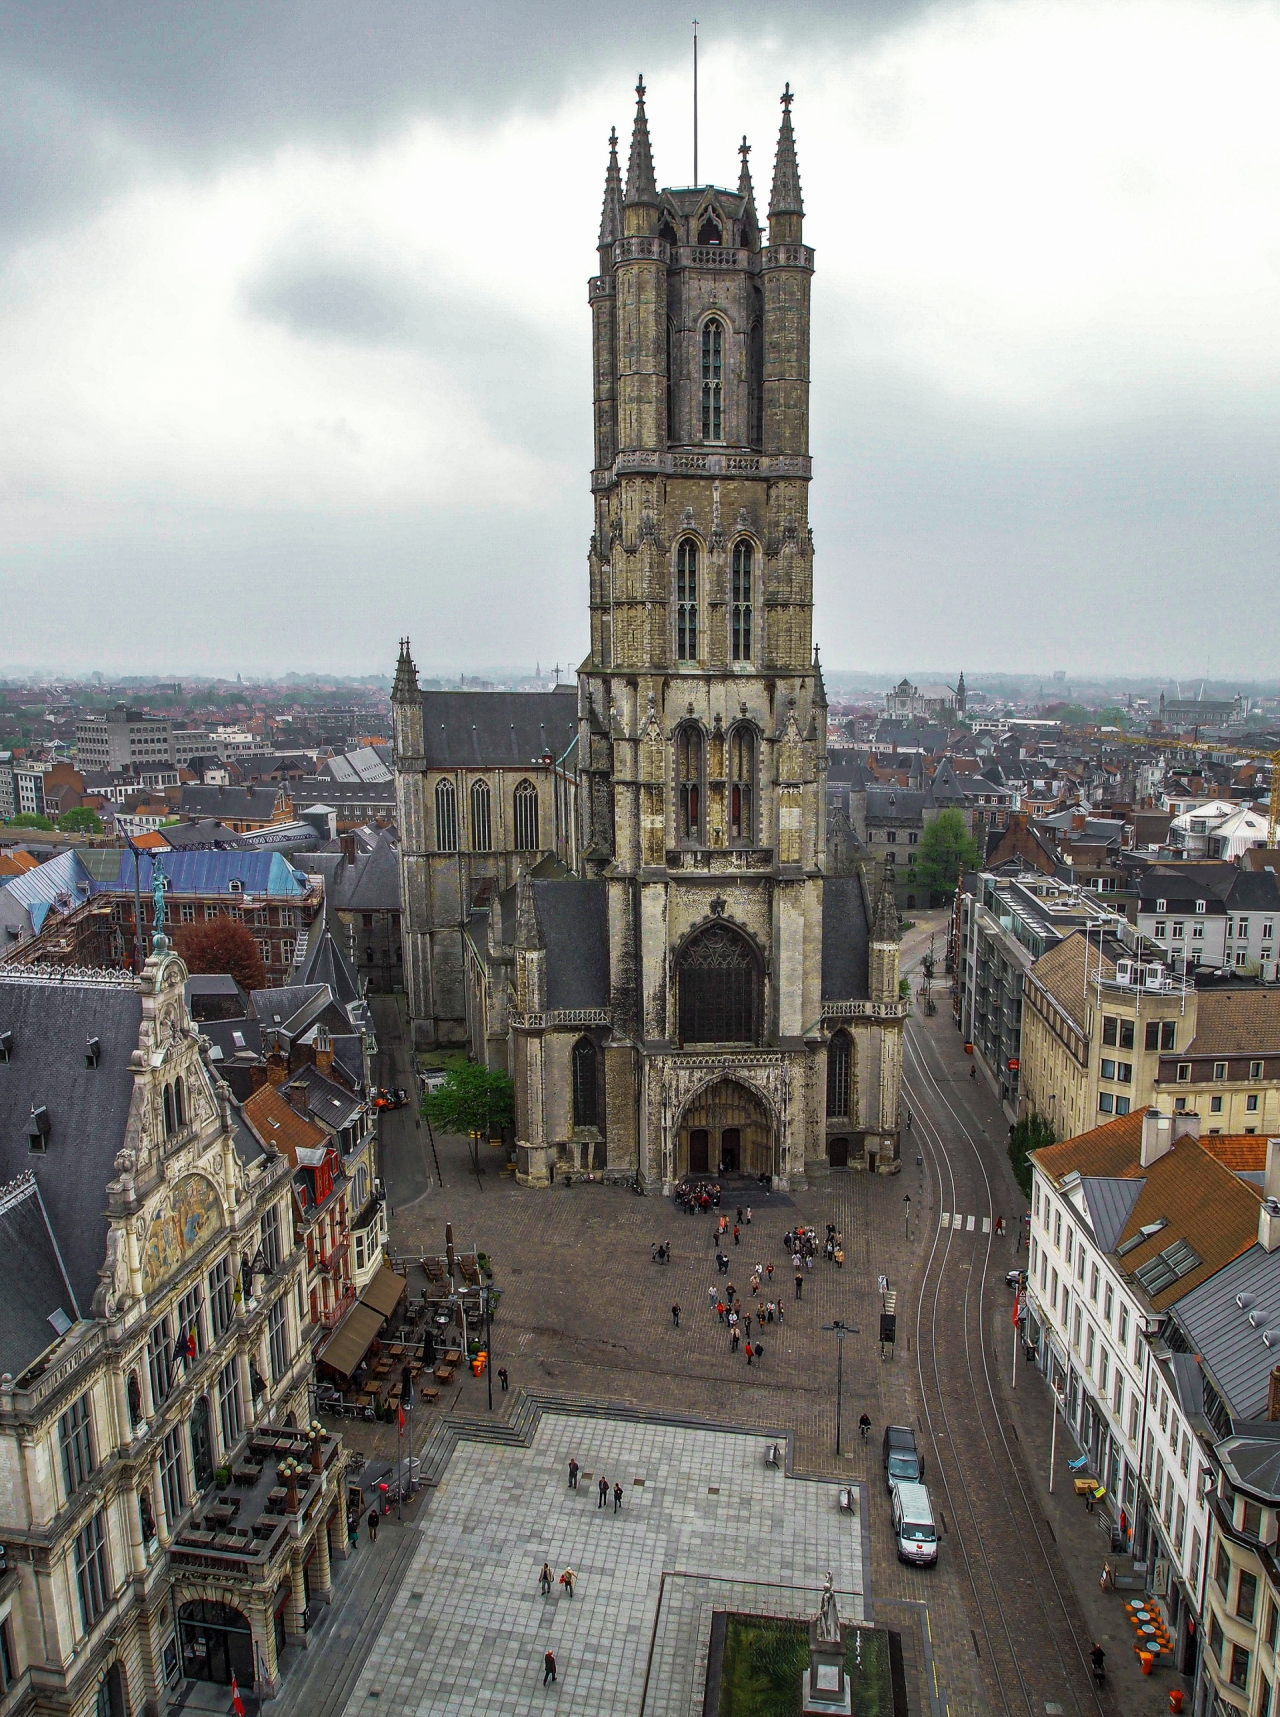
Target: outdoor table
x,y
453,1355
444,1373
394,1394
193,1535
428,1395
266,1525
397,1348
276,1498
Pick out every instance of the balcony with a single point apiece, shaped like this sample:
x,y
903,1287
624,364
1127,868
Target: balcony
x,y
333,1315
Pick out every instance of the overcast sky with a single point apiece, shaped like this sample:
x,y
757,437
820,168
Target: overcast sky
x,y
294,342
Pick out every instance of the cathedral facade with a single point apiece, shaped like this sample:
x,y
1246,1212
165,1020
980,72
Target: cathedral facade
x,y
697,993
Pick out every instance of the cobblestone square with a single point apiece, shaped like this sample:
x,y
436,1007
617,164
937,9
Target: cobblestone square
x,y
704,1524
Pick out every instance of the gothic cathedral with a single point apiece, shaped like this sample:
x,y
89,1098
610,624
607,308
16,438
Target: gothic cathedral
x,y
689,991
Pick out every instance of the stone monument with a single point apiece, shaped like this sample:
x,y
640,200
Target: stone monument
x,y
826,1686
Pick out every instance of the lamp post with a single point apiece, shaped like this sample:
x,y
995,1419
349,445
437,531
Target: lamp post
x,y
488,1340
1058,1399
840,1330
906,1200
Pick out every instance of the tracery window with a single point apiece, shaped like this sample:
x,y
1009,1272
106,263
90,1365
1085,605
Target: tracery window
x,y
839,1069
740,603
481,817
689,756
718,977
525,805
585,1110
446,817
755,384
742,784
713,379
687,600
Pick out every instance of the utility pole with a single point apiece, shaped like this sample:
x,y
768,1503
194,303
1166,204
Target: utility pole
x,y
840,1330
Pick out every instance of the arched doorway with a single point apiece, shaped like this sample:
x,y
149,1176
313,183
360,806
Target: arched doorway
x,y
726,1129
838,1153
216,1643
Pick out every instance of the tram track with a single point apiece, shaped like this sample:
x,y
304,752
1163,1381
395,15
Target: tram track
x,y
1035,1648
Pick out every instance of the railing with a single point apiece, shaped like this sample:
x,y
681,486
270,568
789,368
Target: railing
x,y
333,1315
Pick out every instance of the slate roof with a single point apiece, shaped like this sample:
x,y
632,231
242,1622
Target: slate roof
x,y
1236,1022
899,806
325,962
372,883
321,790
1211,880
329,1103
247,804
223,1035
846,939
202,872
204,832
1110,1201
1252,1459
88,1108
292,1009
1238,1360
482,730
32,1286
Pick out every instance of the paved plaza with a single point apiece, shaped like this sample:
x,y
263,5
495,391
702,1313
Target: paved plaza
x,y
705,1524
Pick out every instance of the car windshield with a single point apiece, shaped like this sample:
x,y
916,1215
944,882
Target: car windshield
x,y
922,1534
901,1465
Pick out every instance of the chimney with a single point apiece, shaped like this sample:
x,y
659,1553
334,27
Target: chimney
x,y
1184,1124
324,1051
296,1092
277,1067
1271,1181
348,844
1079,822
1157,1136
1273,1393
1269,1224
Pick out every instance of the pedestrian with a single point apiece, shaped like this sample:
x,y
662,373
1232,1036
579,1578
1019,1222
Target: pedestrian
x,y
548,1667
799,1285
749,1352
711,1296
734,1338
748,1216
808,1260
574,1470
973,1073
839,1257
353,1531
603,1488
617,1497
544,1579
566,1580
373,1526
736,1240
720,1310
503,1379
739,1213
755,1284
675,1316
768,1270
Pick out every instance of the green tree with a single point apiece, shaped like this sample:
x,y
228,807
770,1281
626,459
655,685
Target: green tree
x,y
946,848
1027,1135
29,820
80,821
471,1100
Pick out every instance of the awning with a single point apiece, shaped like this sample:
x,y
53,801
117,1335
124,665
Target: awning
x,y
385,1292
349,1343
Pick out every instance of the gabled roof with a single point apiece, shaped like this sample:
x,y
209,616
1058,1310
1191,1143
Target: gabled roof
x,y
482,730
32,1286
1229,1336
201,872
56,886
279,1125
328,1103
247,804
372,883
1110,1201
573,917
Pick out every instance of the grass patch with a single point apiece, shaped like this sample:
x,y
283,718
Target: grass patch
x,y
766,1656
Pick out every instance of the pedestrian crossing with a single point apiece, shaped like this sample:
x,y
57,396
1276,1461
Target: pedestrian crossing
x,y
968,1223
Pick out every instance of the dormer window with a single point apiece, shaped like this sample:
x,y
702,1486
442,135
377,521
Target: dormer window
x,y
38,1129
93,1052
1162,905
236,886
1200,906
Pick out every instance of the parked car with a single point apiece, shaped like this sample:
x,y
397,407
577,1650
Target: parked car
x,y
390,1097
901,1457
914,1529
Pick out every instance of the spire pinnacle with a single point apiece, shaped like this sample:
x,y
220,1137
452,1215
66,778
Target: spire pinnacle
x,y
745,188
641,187
611,213
405,687
786,198
886,927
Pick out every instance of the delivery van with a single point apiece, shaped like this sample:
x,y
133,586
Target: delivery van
x,y
913,1525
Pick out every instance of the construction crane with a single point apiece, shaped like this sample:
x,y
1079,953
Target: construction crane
x,y
1158,743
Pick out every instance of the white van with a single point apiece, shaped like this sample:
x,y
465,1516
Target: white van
x,y
913,1524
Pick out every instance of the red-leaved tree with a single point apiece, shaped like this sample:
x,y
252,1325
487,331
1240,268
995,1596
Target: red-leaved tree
x,y
222,945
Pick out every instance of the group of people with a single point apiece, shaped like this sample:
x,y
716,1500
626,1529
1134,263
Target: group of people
x,y
602,1487
693,1196
728,1308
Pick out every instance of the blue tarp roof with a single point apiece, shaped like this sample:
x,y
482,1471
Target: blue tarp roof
x,y
62,882
195,871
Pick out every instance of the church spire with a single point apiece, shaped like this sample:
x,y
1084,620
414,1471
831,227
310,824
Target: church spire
x,y
786,198
886,928
611,213
405,687
745,189
641,187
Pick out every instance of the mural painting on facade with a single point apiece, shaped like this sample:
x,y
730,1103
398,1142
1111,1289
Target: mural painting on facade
x,y
183,1220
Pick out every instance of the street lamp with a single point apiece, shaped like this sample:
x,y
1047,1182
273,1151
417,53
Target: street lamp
x,y
906,1199
1059,1397
840,1330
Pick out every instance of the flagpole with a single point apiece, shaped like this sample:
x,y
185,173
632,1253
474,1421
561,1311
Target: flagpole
x,y
400,1465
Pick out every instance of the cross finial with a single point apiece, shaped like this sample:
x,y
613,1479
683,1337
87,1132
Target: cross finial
x,y
640,86
613,139
744,149
787,98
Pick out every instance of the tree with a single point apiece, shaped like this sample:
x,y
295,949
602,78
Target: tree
x,y
471,1100
946,849
81,820
222,945
1029,1134
29,820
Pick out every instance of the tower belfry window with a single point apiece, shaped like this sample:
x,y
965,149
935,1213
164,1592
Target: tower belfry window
x,y
687,601
740,603
713,380
689,784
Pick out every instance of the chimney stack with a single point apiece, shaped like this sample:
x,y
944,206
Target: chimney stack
x,y
1079,822
277,1066
297,1095
324,1051
1157,1136
1273,1393
1271,1180
1187,1123
1269,1224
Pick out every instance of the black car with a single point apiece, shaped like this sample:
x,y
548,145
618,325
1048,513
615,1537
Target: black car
x,y
901,1457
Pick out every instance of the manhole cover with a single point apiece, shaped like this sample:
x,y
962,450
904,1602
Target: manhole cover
x,y
637,1481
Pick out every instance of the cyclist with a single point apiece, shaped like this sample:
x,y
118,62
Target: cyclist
x,y
864,1426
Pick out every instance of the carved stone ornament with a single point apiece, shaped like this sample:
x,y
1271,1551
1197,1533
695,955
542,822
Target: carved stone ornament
x,y
718,905
686,519
828,1617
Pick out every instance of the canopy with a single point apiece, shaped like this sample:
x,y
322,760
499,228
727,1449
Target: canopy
x,y
349,1343
384,1292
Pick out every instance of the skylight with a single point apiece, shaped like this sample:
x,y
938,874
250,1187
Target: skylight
x,y
1168,1267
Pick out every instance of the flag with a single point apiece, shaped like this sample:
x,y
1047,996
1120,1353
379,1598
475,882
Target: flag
x,y
191,1342
237,1704
401,1410
1017,1309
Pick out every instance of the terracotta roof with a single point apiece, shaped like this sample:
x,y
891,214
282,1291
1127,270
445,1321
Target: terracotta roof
x,y
1242,1153
1236,1022
1113,1149
279,1125
16,863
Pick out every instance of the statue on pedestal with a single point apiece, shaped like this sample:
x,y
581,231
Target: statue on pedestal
x,y
828,1617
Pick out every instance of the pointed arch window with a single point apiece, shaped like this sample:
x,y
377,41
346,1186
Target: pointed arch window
x,y
481,817
525,807
740,604
742,786
713,379
718,978
711,232
446,816
585,1109
689,761
169,1128
839,1074
687,600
